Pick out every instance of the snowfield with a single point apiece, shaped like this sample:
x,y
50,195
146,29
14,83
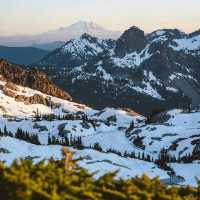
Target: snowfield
x,y
10,107
180,129
187,44
96,162
109,131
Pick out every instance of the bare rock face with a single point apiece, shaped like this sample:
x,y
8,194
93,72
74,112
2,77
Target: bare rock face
x,y
11,86
9,92
33,78
131,112
3,109
1,87
36,99
131,40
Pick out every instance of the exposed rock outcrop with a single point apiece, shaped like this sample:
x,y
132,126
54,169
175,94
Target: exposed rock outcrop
x,y
9,92
131,40
36,99
11,86
32,78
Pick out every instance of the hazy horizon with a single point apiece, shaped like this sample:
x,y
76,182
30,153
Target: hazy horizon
x,y
22,17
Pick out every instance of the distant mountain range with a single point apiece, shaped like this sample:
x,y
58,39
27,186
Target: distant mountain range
x,y
52,39
22,55
49,46
159,70
139,71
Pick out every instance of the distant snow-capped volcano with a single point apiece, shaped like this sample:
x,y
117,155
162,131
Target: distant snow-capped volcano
x,y
81,27
62,34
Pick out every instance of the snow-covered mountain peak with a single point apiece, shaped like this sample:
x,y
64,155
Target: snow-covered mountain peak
x,y
87,26
165,34
76,29
85,46
64,33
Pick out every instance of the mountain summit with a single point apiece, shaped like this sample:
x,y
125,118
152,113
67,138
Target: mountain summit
x,y
131,40
62,34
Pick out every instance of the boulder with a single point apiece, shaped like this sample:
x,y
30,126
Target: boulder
x,y
9,92
11,86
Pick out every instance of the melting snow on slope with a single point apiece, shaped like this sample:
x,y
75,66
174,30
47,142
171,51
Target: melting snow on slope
x,y
148,90
172,89
181,129
9,106
94,161
134,59
82,46
106,76
187,44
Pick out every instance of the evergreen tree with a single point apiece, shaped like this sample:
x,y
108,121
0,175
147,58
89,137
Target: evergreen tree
x,y
131,127
5,131
97,147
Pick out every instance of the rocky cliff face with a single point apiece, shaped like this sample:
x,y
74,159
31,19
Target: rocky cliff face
x,y
139,71
34,79
131,40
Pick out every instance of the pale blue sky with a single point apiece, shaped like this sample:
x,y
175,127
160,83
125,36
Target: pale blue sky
x,y
34,16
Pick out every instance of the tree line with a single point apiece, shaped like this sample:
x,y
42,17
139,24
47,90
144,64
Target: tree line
x,y
22,135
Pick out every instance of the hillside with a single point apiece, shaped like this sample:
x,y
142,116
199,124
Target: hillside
x,y
22,55
35,125
141,71
33,78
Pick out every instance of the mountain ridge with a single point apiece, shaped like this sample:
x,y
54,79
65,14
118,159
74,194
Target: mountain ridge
x,y
158,69
22,55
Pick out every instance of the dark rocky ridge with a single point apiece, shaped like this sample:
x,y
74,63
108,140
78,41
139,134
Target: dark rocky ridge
x,y
34,79
131,40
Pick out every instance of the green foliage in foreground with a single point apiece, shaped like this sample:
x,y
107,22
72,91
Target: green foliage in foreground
x,y
27,181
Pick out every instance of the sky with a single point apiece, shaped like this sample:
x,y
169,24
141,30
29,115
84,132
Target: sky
x,y
36,16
